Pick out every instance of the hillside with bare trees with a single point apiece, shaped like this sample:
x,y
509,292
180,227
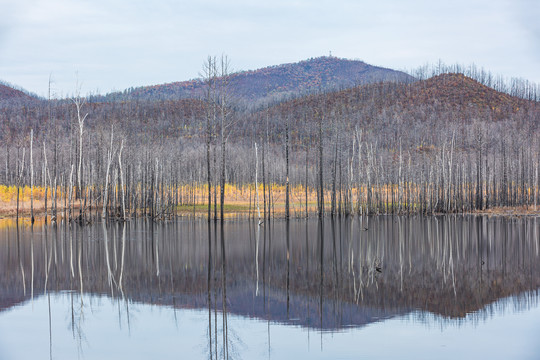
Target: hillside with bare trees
x,y
452,142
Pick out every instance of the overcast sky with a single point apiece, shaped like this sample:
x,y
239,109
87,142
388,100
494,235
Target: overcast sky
x,y
116,44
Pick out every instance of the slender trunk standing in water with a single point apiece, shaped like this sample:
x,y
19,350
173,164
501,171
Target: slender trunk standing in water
x,y
209,74
224,115
257,183
215,184
359,179
321,188
222,178
20,171
31,177
79,102
106,189
306,180
264,182
122,180
70,190
287,190
351,179
334,175
45,175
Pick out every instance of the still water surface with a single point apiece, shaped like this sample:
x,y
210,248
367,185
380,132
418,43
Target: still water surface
x,y
385,287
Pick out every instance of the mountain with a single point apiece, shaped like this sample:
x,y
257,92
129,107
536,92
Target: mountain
x,y
278,82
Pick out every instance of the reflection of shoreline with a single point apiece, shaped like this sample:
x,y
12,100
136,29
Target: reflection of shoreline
x,y
518,303
447,265
113,328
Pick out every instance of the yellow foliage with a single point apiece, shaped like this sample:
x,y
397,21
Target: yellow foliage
x,y
8,194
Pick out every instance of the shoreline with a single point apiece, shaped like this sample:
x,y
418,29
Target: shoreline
x,y
244,208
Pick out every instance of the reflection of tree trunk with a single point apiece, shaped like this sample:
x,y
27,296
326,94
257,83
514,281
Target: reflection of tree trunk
x,y
80,244
120,285
20,258
334,258
287,235
307,270
320,236
71,252
209,283
32,262
264,269
107,260
215,288
48,258
257,259
50,326
157,254
224,293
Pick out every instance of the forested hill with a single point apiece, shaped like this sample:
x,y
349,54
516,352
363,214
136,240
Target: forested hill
x,y
9,93
443,91
278,82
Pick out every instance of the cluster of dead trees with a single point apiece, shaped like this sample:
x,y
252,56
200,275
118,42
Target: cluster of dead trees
x,y
357,151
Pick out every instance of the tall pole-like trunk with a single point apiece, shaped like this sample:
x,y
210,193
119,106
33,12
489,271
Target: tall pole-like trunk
x,y
264,181
46,174
106,189
306,180
321,188
257,183
31,177
287,190
222,178
122,180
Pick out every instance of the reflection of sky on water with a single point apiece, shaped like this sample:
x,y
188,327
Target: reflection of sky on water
x,y
506,330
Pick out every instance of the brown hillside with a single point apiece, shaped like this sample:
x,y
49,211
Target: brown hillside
x,y
8,93
460,90
450,91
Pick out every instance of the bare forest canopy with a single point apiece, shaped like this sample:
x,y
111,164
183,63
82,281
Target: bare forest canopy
x,y
457,141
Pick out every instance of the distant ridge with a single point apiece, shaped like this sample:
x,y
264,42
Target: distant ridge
x,y
277,82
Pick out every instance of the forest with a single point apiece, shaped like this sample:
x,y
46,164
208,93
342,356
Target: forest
x,y
453,140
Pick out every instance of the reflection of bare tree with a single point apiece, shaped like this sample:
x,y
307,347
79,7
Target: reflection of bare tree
x,y
209,288
368,268
77,321
19,255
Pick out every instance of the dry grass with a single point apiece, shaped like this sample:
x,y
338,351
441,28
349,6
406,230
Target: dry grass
x,y
239,200
510,211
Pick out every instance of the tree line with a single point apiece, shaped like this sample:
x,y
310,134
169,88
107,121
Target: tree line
x,y
400,148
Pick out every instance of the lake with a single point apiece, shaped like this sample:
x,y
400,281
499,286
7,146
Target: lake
x,y
389,287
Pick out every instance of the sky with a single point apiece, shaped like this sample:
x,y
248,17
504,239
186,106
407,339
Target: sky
x,y
99,46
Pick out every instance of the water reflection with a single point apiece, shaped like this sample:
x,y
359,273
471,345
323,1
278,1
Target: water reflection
x,y
327,275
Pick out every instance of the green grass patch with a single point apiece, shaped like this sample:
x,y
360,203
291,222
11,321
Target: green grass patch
x,y
204,208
